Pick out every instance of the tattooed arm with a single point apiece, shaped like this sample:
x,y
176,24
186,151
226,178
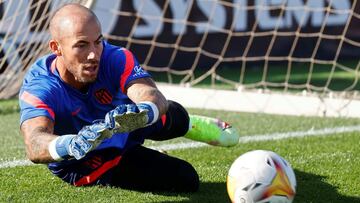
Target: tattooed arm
x,y
144,89
38,133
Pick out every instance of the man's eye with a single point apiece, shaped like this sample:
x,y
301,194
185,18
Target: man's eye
x,y
80,45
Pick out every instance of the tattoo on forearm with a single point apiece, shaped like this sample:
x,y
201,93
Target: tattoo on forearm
x,y
37,144
37,135
145,90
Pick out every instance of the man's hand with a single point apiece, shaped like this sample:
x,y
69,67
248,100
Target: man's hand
x,y
129,117
126,118
77,146
88,138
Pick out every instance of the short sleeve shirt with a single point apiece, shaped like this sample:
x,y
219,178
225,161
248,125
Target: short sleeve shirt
x,y
44,93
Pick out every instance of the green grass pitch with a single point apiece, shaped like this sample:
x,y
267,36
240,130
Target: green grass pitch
x,y
327,167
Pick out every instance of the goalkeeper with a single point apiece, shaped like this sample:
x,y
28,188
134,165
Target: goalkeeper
x,y
87,108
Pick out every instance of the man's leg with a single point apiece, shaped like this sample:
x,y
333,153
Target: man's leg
x,y
145,169
95,169
137,168
141,168
177,123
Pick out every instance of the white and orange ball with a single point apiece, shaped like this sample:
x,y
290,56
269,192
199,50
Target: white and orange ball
x,y
261,176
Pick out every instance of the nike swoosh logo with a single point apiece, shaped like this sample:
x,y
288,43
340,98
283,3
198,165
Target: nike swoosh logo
x,y
74,113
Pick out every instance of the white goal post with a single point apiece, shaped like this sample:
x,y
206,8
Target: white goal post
x,y
295,57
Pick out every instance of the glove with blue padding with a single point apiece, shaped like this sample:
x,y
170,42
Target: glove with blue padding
x,y
77,146
129,117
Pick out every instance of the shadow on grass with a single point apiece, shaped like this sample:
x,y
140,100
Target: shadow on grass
x,y
311,188
208,192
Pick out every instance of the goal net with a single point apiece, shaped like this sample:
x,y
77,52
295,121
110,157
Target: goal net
x,y
298,57
23,38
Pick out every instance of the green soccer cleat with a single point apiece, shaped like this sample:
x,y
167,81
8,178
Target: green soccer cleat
x,y
212,131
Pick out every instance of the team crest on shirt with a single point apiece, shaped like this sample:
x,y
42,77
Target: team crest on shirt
x,y
103,96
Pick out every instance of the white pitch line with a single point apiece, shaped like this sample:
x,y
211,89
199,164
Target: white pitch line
x,y
15,163
310,132
243,139
267,137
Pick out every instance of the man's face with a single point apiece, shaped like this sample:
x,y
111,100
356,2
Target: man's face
x,y
81,51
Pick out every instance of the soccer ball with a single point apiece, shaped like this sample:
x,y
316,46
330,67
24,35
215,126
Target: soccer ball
x,y
261,176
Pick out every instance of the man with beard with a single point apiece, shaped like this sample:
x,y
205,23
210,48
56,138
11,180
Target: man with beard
x,y
87,108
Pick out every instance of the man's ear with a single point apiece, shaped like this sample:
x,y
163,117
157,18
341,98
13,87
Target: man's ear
x,y
55,47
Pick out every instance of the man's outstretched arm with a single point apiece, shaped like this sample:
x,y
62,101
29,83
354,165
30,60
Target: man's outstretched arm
x,y
38,133
42,146
150,105
144,89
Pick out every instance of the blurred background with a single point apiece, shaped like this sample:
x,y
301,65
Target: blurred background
x,y
306,49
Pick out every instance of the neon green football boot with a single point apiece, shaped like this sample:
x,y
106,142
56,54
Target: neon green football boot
x,y
212,131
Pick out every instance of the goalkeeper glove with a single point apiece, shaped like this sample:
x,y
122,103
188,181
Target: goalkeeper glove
x,y
129,117
77,146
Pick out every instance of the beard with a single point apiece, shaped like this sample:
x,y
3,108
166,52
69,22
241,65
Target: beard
x,y
86,79
81,76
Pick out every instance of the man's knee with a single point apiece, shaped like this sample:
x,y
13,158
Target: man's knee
x,y
175,123
178,118
189,178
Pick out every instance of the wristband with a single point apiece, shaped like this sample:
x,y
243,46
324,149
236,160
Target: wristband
x,y
58,148
153,111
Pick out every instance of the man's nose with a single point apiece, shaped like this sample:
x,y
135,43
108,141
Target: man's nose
x,y
91,55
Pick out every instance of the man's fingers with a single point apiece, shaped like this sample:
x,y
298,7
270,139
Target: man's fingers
x,y
131,109
130,122
79,147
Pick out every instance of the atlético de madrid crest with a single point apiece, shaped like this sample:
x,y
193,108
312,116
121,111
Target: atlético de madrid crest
x,y
103,96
